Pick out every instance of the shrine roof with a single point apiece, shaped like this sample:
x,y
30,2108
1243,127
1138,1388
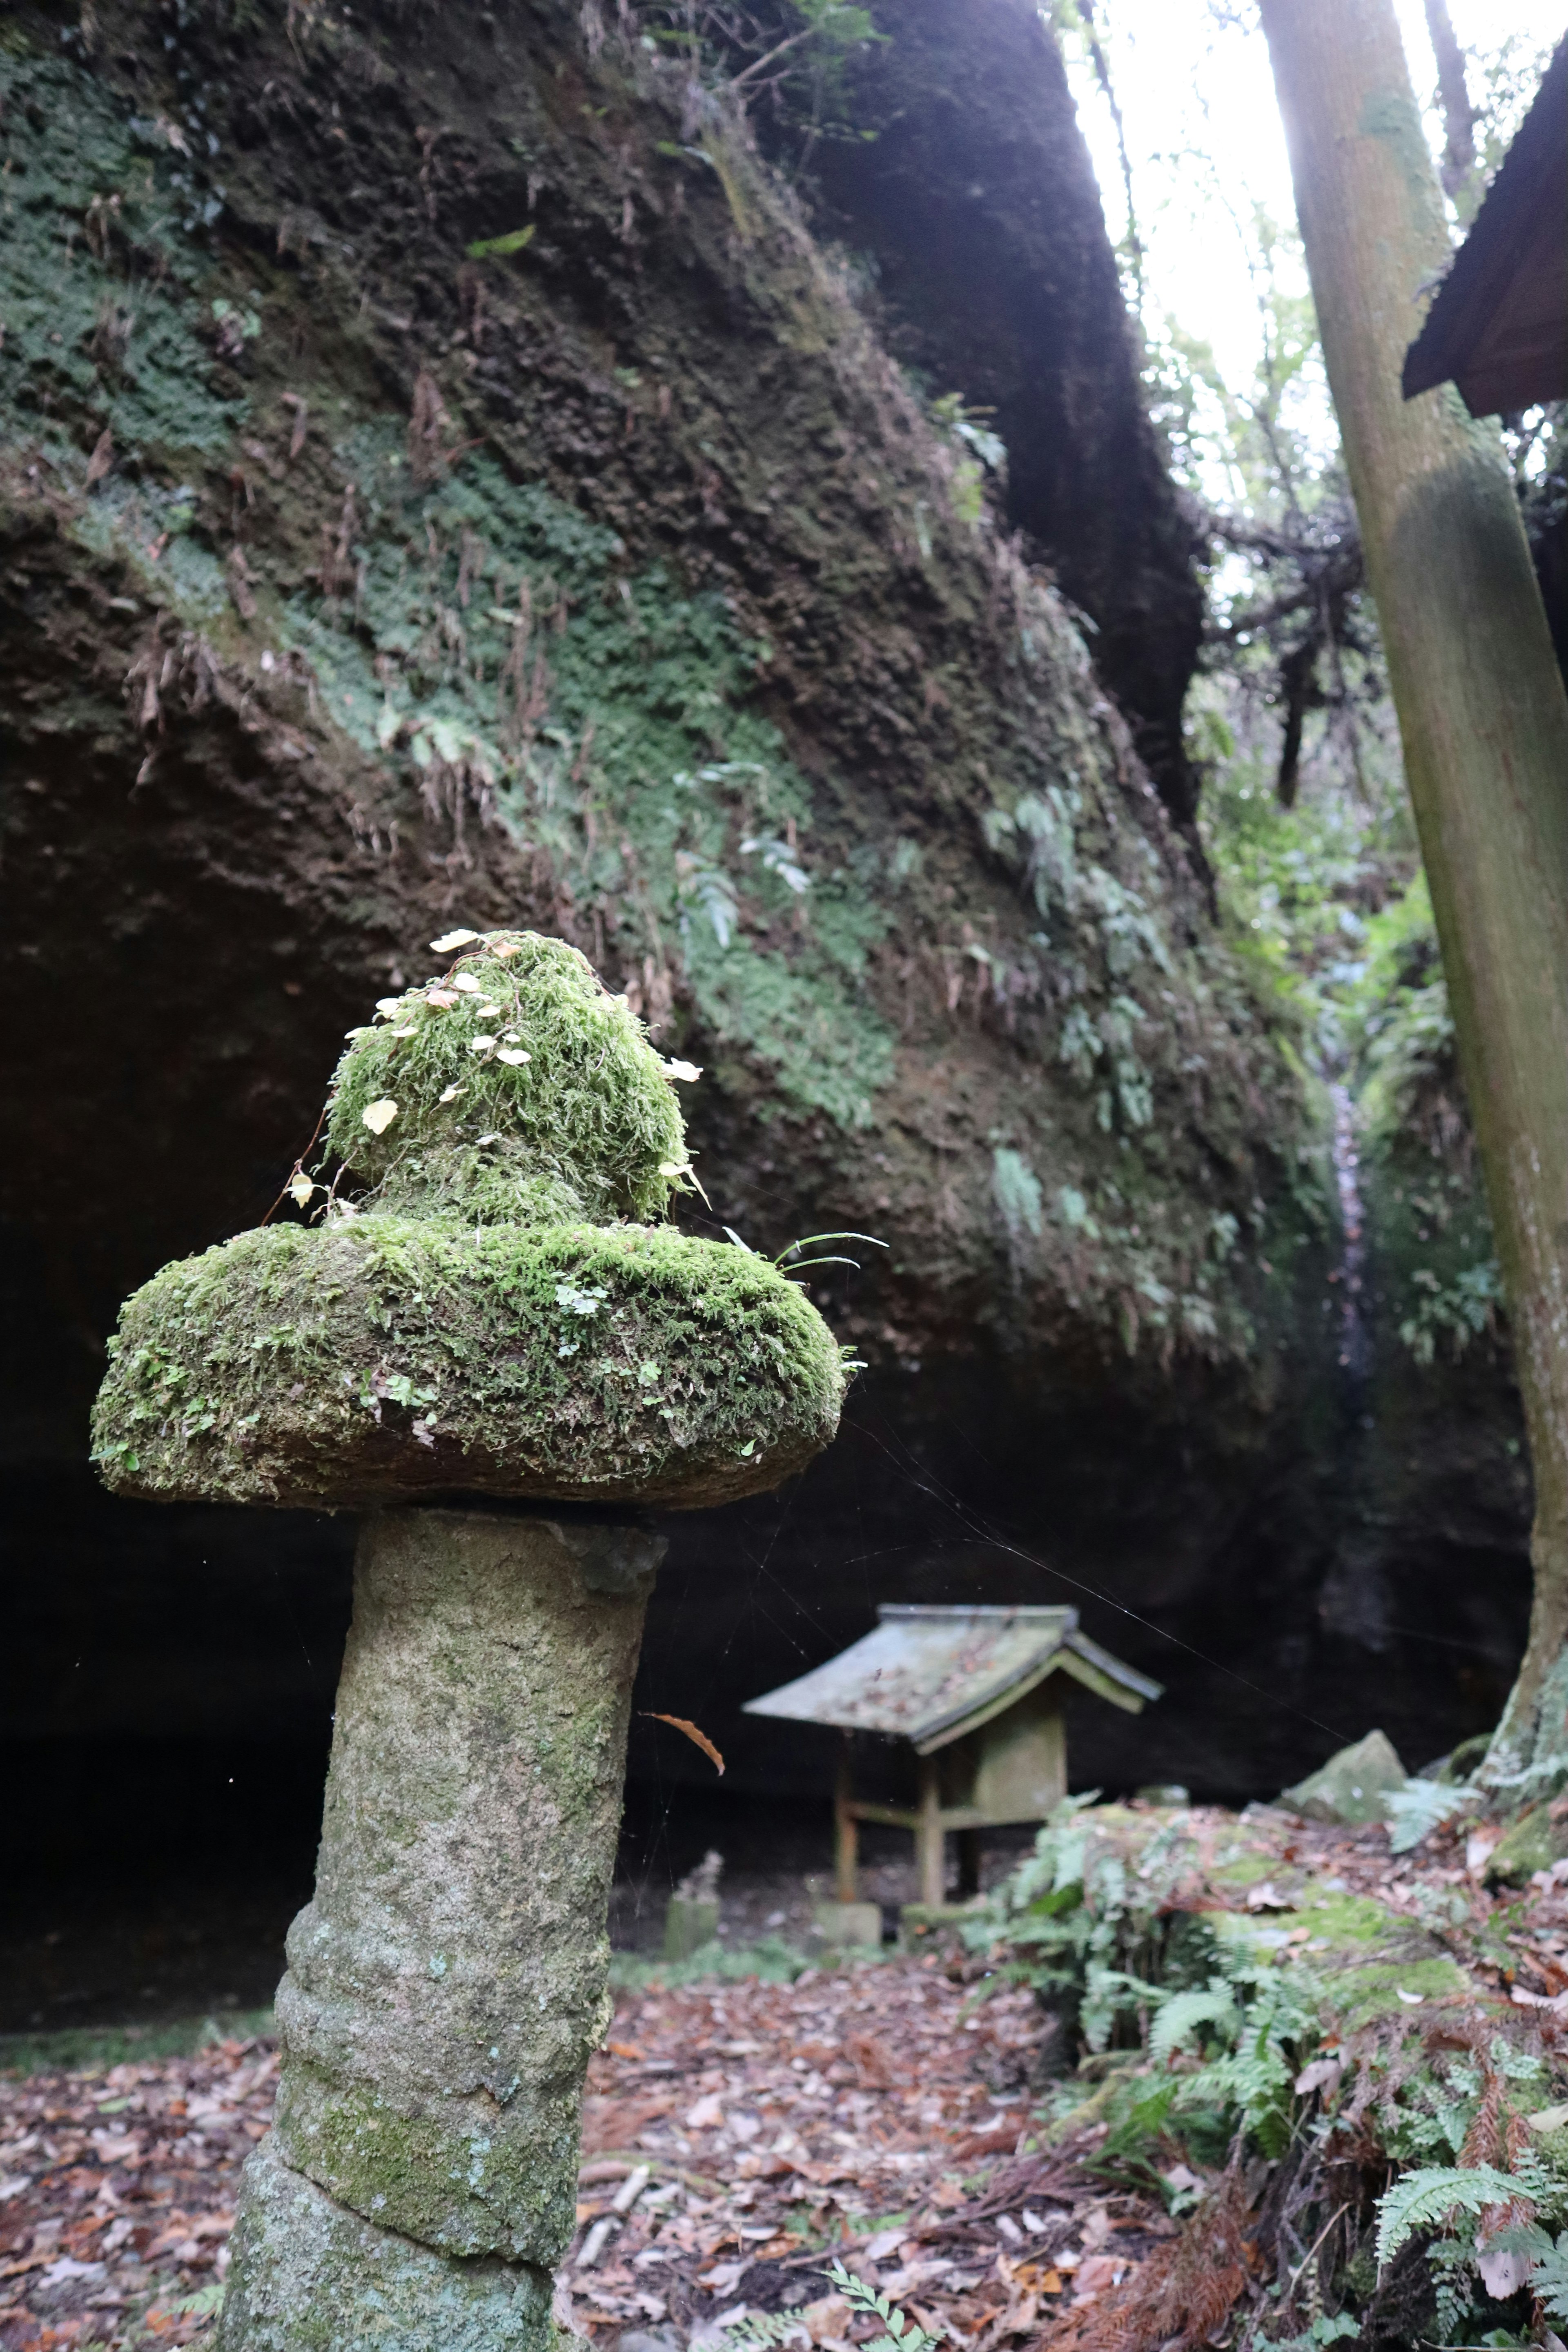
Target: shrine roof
x,y
930,1675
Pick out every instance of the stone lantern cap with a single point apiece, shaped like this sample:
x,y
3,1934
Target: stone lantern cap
x,y
503,1313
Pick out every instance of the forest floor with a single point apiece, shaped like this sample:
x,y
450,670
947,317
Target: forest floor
x,y
739,2136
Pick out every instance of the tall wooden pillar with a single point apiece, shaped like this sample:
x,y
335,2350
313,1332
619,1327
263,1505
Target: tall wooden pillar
x,y
930,1847
846,1828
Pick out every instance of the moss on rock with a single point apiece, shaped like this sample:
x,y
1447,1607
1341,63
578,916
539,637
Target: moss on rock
x,y
515,1088
424,1346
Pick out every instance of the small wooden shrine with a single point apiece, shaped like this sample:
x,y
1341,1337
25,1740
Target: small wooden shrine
x,y
975,1692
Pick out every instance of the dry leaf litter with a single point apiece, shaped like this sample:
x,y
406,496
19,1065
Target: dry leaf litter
x,y
738,2136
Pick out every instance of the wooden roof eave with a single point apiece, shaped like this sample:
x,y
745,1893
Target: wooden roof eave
x,y
1087,1663
1497,326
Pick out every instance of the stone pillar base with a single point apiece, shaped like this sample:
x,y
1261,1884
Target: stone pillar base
x,y
310,2276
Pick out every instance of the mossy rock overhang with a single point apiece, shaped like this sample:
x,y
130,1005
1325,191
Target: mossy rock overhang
x,y
383,1359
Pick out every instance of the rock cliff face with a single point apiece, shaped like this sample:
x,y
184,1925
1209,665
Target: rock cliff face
x,y
975,207
443,481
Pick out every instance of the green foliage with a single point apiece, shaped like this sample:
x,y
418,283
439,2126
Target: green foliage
x,y
760,2330
902,2333
1431,2195
769,1959
1433,1231
1074,1922
1548,2264
514,1090
498,651
100,270
1400,1029
795,53
497,249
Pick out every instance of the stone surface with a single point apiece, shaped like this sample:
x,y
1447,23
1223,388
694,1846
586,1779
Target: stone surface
x,y
467,1329
848,1926
1351,1786
307,2275
447,1980
688,1926
1534,1843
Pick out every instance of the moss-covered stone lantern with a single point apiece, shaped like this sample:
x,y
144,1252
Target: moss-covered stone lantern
x,y
501,1317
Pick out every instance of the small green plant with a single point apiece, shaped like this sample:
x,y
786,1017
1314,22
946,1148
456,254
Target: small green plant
x,y
760,2330
1432,2194
496,248
903,2335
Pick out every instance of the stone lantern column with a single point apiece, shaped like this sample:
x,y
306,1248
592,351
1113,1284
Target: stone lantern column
x,y
504,1360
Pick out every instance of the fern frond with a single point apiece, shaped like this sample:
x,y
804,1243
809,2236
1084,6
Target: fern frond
x,y
764,2331
904,2335
1181,2013
1422,2198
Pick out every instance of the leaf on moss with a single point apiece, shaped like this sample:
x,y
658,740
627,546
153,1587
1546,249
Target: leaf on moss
x,y
450,941
378,1116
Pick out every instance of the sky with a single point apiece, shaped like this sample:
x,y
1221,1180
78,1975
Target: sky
x,y
1190,88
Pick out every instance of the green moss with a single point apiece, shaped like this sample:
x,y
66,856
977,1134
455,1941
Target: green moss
x,y
100,258
499,652
1434,1253
390,1355
516,1089
481,2190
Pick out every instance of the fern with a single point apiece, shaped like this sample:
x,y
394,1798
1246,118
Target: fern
x,y
763,2330
1182,2012
903,2335
1429,2195
1548,2262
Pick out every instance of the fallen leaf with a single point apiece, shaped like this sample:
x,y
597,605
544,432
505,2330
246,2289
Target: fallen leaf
x,y
514,1054
708,2114
467,983
102,458
697,1738
378,1116
450,941
442,999
1502,2272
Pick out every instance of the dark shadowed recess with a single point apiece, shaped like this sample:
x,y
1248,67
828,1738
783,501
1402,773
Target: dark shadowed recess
x,y
168,1686
976,208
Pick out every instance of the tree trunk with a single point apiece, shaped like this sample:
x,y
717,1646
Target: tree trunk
x,y
1458,114
1484,722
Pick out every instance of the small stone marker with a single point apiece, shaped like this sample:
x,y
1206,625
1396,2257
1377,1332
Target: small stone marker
x,y
501,1318
692,1918
848,1927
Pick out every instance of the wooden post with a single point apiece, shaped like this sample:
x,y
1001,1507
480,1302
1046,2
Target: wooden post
x,y
846,1828
930,1841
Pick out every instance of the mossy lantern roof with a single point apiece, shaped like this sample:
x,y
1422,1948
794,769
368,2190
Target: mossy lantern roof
x,y
504,1312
